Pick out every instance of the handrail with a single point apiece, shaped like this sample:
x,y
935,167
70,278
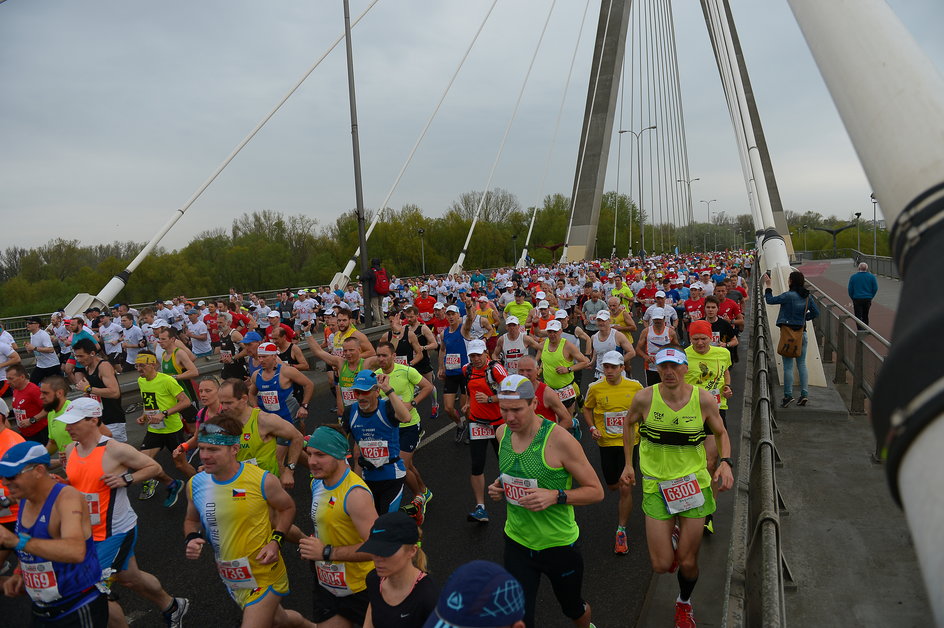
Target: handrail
x,y
821,294
757,574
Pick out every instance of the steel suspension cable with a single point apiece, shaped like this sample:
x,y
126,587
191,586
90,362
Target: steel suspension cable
x,y
680,124
501,147
560,113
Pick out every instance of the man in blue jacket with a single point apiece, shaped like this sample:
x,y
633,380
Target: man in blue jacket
x,y
862,289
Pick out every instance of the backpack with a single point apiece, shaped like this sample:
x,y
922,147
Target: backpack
x,y
381,282
489,376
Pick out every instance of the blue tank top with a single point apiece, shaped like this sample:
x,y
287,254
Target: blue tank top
x,y
253,365
378,436
51,584
456,357
271,397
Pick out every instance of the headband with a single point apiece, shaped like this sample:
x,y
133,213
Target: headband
x,y
330,441
214,435
145,358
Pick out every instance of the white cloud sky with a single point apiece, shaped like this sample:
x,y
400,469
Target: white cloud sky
x,y
113,113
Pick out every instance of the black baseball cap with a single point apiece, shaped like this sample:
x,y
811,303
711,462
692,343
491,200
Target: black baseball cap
x,y
390,532
34,319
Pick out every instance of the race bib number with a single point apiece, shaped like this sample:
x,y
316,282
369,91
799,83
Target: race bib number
x,y
481,431
270,400
94,507
236,574
338,351
40,581
155,414
613,422
401,359
348,397
453,361
716,339
333,577
226,355
511,366
376,451
252,461
516,488
695,315
716,394
682,494
426,316
21,419
567,392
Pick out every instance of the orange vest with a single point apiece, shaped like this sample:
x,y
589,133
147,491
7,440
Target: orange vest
x,y
85,474
8,438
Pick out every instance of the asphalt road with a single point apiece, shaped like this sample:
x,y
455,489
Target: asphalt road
x,y
615,586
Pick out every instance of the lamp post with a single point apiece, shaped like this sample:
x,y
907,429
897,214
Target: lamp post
x,y
688,183
708,203
422,233
642,218
858,233
514,244
874,227
806,237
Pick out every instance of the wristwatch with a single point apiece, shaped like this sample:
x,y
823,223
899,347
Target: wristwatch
x,y
730,461
291,466
413,403
128,478
165,413
305,405
561,496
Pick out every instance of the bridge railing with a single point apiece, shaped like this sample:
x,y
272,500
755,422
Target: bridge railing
x,y
757,571
878,264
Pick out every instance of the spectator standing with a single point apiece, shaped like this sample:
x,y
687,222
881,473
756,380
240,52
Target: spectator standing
x,y
862,289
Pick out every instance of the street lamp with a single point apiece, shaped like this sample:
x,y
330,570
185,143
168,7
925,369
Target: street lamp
x,y
514,244
714,200
688,183
806,237
422,233
874,227
858,234
642,219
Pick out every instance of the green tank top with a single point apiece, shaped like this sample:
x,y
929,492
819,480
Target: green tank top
x,y
551,527
346,382
254,450
172,367
671,443
550,361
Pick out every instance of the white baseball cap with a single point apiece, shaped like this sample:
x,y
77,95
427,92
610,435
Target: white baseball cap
x,y
540,295
273,314
81,408
560,314
452,308
512,320
483,298
438,306
613,357
543,305
671,355
553,325
603,315
476,346
657,313
660,293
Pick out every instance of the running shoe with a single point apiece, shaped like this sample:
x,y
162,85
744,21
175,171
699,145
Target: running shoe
x,y
479,515
175,619
786,402
622,544
709,526
684,616
427,496
803,401
132,408
415,511
148,489
460,432
434,412
173,492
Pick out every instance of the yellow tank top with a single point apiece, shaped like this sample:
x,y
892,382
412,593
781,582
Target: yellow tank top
x,y
551,360
334,526
340,338
672,443
253,449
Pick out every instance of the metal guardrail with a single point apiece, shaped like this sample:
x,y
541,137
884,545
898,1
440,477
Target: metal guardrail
x,y
878,264
757,571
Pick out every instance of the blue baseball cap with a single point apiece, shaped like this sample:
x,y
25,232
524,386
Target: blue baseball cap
x,y
251,337
365,380
479,594
22,455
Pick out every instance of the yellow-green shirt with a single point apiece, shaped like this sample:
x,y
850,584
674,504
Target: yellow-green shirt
x,y
625,295
404,380
707,371
161,394
519,310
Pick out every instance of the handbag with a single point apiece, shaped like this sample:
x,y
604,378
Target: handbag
x,y
791,340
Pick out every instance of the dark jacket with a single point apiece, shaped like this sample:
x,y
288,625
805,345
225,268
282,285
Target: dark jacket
x,y
793,306
862,285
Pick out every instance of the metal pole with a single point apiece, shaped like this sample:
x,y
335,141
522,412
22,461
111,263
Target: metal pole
x,y
423,248
858,233
874,228
358,183
514,244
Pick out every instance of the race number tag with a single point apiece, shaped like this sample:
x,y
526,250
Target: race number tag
x,y
426,316
716,394
251,461
682,494
516,488
333,577
453,361
94,507
511,365
270,400
226,355
715,339
695,315
481,431
401,359
40,581
376,451
348,396
567,392
155,414
613,422
237,574
21,419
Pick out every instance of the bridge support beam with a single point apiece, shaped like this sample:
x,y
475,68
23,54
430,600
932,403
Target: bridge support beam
x,y
597,131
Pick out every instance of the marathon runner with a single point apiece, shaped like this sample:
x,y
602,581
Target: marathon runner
x,y
652,339
347,366
230,345
560,359
178,364
427,340
513,345
452,357
28,412
606,340
230,504
672,416
604,411
271,386
8,505
99,381
549,404
539,464
340,594
59,568
103,469
40,344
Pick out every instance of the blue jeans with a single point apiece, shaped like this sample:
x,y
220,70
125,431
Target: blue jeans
x,y
788,373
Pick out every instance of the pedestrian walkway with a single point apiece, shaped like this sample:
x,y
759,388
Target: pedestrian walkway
x,y
832,277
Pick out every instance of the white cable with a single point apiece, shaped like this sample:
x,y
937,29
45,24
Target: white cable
x,y
560,113
373,223
501,146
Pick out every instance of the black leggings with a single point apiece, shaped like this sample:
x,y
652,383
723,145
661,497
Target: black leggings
x,y
478,449
563,566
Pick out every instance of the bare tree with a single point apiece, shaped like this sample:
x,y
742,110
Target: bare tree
x,y
498,204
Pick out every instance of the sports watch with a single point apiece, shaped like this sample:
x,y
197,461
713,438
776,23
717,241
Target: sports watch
x,y
730,461
128,478
561,496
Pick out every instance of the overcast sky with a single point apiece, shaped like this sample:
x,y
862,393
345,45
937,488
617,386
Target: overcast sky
x,y
114,112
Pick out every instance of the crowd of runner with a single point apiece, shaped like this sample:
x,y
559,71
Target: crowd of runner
x,y
504,355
